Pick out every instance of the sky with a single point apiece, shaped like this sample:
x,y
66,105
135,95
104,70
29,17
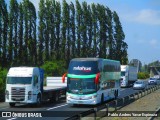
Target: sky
x,y
140,21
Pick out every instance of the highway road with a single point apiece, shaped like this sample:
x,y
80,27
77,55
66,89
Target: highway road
x,y
50,111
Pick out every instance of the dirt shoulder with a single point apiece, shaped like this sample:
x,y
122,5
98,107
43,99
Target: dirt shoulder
x,y
147,105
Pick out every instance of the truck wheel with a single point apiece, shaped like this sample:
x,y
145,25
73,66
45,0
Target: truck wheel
x,y
12,104
38,104
56,99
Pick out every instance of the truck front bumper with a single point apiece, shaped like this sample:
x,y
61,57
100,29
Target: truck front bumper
x,y
19,99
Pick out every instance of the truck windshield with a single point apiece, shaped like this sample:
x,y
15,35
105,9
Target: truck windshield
x,y
122,73
19,80
81,86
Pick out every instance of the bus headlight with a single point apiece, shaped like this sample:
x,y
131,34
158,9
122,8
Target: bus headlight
x,y
7,94
68,96
94,96
29,95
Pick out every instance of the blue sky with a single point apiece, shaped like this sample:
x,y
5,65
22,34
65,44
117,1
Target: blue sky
x,y
140,20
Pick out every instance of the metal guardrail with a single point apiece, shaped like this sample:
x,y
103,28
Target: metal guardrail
x,y
113,105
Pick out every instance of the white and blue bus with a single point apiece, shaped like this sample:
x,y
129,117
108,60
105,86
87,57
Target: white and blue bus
x,y
92,80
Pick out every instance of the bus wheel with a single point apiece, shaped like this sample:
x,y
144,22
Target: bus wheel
x,y
102,99
115,94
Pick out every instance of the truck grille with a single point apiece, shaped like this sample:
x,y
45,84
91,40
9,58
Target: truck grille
x,y
17,94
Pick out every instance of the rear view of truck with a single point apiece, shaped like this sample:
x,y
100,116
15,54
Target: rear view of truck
x,y
128,75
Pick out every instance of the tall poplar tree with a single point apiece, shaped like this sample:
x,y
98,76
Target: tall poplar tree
x,y
111,42
52,31
73,32
47,29
41,30
95,29
119,37
78,27
20,34
102,18
65,13
58,21
3,33
13,20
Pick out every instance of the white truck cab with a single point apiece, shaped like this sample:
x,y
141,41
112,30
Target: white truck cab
x,y
128,75
24,85
124,75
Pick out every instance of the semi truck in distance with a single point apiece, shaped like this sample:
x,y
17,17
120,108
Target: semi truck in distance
x,y
92,81
25,85
128,75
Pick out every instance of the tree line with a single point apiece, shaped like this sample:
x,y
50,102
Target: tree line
x,y
59,32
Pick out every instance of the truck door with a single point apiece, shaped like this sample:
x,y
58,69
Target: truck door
x,y
36,85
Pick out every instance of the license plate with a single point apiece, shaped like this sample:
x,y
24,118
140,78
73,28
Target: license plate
x,y
80,101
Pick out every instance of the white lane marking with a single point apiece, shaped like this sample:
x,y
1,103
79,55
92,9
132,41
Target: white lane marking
x,y
57,107
4,108
12,119
122,89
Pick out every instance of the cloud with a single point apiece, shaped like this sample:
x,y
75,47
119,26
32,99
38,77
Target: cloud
x,y
145,16
153,42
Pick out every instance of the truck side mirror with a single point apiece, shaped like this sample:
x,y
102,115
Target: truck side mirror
x,y
63,78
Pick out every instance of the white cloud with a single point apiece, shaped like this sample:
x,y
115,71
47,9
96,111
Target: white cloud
x,y
145,16
153,42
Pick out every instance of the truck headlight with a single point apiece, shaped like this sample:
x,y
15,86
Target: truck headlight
x,y
29,95
7,94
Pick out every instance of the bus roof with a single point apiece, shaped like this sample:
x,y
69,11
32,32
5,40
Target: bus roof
x,y
86,59
92,59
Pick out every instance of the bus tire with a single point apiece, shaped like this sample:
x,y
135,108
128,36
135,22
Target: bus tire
x,y
115,94
12,104
102,99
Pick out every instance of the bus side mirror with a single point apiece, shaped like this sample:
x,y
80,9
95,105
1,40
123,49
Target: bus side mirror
x,y
63,78
97,78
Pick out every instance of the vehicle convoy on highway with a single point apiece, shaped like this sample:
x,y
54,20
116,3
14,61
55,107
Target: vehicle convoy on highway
x,y
153,81
128,75
92,80
25,85
139,84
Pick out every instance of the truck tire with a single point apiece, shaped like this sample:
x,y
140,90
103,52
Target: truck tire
x,y
12,104
56,98
39,100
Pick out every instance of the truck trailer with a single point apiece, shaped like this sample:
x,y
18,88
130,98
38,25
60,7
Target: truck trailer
x,y
128,75
24,85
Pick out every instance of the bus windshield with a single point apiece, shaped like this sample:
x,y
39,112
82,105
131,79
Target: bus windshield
x,y
81,85
19,80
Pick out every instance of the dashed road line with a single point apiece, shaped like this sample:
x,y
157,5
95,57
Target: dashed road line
x,y
12,119
57,107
